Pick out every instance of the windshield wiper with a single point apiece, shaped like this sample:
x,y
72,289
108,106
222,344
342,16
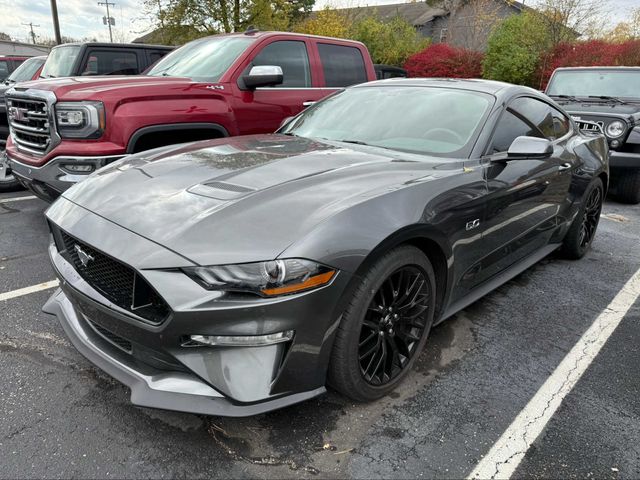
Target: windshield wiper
x,y
566,97
356,142
609,98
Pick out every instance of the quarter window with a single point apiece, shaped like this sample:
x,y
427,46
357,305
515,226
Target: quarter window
x,y
538,113
292,57
342,66
561,123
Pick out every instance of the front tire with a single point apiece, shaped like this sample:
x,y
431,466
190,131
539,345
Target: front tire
x,y
8,181
384,326
628,187
580,236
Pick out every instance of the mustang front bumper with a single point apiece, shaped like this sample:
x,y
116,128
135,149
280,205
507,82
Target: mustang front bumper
x,y
164,370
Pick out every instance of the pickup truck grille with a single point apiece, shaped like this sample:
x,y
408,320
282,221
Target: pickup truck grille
x,y
29,123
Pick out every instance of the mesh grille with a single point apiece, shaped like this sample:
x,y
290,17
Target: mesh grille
x,y
111,337
118,283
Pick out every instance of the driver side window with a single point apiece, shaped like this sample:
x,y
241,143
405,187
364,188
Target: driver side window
x,y
511,126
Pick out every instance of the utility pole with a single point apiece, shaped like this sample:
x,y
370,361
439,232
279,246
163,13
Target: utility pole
x,y
108,22
56,23
33,35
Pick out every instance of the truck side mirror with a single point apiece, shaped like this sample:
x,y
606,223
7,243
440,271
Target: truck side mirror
x,y
263,76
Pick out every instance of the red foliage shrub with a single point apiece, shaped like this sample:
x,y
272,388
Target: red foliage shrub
x,y
593,53
444,61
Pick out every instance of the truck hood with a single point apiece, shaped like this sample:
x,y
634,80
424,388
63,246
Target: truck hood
x,y
247,198
84,88
627,111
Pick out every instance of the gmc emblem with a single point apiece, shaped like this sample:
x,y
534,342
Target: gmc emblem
x,y
18,114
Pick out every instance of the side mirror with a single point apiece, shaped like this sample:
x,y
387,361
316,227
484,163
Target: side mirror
x,y
263,76
530,147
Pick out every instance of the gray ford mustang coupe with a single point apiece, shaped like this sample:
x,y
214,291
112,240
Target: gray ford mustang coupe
x,y
236,276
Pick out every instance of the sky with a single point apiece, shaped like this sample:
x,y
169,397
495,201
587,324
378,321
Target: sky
x,y
83,18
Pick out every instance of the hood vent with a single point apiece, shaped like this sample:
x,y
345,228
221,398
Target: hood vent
x,y
221,190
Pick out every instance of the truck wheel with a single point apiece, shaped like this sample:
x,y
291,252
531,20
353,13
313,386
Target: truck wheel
x,y
8,182
628,187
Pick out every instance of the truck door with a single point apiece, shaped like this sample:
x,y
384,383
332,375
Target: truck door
x,y
262,110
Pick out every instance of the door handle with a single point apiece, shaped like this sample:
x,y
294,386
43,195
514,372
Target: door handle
x,y
308,104
565,166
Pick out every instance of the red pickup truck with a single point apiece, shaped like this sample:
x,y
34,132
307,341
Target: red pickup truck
x,y
64,129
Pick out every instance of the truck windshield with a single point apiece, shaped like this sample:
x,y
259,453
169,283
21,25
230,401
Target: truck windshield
x,y
26,70
596,83
203,60
60,62
441,122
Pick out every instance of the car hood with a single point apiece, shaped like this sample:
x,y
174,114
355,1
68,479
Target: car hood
x,y
84,88
245,198
629,111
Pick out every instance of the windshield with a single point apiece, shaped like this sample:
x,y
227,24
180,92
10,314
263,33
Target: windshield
x,y
425,120
586,83
204,60
60,61
26,70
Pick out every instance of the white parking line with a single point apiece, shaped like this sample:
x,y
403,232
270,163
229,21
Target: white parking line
x,y
507,453
17,199
27,290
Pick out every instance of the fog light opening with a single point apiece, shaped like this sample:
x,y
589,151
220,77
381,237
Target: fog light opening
x,y
78,168
238,340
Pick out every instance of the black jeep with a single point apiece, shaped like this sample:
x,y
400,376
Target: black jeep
x,y
607,99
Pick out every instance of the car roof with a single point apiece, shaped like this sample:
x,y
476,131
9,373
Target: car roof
x,y
116,45
265,34
486,86
597,68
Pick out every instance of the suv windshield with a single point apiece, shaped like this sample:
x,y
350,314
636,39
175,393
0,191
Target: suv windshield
x,y
425,120
204,60
26,70
60,61
596,83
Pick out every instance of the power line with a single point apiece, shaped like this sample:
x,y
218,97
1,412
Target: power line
x,y
108,19
33,35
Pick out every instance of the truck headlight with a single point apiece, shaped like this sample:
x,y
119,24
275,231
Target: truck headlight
x,y
80,119
615,129
267,279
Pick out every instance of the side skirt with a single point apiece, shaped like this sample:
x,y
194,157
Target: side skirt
x,y
496,281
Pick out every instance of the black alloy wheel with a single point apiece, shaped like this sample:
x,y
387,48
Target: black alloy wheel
x,y
393,325
591,217
389,310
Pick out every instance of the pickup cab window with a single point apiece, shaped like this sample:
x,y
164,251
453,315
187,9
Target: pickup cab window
x,y
4,69
292,57
110,62
342,66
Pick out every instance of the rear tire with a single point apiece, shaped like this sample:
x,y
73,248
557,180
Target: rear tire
x,y
579,238
390,314
628,187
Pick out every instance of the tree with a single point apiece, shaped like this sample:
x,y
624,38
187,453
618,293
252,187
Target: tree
x,y
389,42
327,22
471,21
627,30
515,49
444,61
5,36
568,19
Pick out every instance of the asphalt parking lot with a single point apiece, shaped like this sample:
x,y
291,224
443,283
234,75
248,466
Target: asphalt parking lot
x,y
60,417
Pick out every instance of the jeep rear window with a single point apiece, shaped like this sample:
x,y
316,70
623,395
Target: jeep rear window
x,y
203,60
60,62
585,83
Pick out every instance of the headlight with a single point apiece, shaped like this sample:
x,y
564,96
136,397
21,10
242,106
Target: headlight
x,y
80,119
268,279
615,129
